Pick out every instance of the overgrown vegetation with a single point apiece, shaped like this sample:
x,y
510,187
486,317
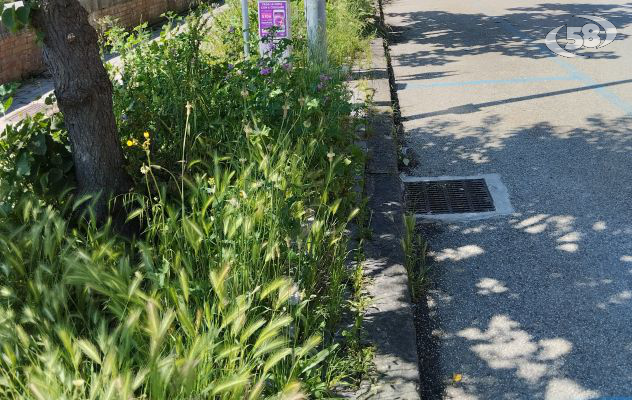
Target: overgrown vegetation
x,y
6,99
235,284
415,252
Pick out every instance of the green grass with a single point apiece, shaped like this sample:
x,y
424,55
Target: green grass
x,y
415,251
237,287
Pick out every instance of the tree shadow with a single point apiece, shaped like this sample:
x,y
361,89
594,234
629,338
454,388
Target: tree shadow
x,y
536,305
476,107
542,299
520,32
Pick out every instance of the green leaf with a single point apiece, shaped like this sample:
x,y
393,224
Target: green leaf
x,y
24,165
320,357
38,145
23,14
4,107
312,104
9,19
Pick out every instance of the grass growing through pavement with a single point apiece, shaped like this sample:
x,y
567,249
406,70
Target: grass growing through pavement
x,y
237,285
415,250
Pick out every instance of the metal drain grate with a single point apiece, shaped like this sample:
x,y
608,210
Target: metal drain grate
x,y
448,197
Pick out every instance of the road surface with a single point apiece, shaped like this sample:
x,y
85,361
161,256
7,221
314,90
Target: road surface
x,y
536,304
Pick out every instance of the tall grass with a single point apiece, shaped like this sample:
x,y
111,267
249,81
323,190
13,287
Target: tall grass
x,y
349,30
415,253
231,297
236,286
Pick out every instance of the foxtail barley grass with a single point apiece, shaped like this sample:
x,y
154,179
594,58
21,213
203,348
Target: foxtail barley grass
x,y
231,295
237,285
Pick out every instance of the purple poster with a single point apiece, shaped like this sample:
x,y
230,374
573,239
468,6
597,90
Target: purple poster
x,y
274,13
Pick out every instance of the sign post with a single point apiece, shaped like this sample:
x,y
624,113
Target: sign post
x,y
274,18
316,15
245,27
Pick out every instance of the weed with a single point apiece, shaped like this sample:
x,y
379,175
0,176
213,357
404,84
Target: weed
x,y
415,249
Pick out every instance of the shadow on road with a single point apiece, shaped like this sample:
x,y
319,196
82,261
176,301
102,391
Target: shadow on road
x,y
519,33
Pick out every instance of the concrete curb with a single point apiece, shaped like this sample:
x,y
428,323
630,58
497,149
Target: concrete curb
x,y
389,320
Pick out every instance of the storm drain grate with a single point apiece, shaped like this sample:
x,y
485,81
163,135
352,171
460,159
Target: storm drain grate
x,y
448,197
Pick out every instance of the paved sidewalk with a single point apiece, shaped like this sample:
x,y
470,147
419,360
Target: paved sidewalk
x,y
538,304
396,363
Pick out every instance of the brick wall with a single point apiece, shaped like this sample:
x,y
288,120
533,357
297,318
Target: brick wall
x,y
20,56
134,12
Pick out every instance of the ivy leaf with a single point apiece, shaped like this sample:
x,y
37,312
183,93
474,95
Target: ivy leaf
x,y
4,107
24,165
9,19
23,14
38,145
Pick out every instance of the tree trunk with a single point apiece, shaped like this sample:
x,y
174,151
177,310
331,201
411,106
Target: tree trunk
x,y
84,96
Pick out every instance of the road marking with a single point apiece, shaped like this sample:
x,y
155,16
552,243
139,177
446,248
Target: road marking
x,y
527,79
587,79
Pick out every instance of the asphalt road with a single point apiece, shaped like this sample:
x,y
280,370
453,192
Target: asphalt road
x,y
538,304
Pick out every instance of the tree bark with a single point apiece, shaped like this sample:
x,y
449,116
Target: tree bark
x,y
84,96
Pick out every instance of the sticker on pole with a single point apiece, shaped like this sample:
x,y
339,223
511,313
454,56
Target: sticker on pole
x,y
274,17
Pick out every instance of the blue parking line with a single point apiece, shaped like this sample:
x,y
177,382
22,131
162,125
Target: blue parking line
x,y
574,73
614,398
533,79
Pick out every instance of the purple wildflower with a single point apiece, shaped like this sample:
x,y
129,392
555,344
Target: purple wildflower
x,y
230,67
287,66
320,86
231,29
265,71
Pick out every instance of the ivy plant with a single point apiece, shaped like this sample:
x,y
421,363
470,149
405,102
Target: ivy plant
x,y
15,17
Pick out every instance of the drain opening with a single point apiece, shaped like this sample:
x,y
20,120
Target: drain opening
x,y
448,197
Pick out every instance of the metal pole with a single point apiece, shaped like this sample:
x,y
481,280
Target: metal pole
x,y
316,15
245,27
